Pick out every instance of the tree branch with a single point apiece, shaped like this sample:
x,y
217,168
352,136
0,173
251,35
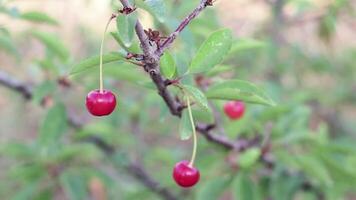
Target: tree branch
x,y
14,84
203,4
125,3
134,169
139,173
151,66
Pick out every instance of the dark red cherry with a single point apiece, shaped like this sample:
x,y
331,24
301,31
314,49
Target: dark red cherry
x,y
100,103
185,175
234,109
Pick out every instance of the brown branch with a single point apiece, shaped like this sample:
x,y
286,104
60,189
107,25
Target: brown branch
x,y
139,173
14,84
152,55
219,139
151,62
125,3
134,169
166,43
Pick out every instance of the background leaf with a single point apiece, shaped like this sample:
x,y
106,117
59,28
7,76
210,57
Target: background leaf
x,y
53,43
42,90
185,127
212,51
95,61
74,186
213,189
28,190
246,43
197,95
126,27
239,90
167,65
156,8
17,150
243,187
39,17
249,157
7,44
54,125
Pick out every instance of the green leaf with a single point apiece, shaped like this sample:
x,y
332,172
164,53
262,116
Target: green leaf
x,y
306,195
11,11
119,159
42,90
38,17
26,192
327,26
27,172
249,157
314,168
7,44
17,150
105,131
213,189
212,51
95,61
167,65
282,187
48,64
118,39
126,27
54,125
246,43
53,43
74,186
239,90
127,72
197,95
185,127
157,8
218,70
44,194
81,152
243,187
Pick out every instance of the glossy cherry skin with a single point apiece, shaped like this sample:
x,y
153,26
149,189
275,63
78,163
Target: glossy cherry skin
x,y
100,103
234,109
185,175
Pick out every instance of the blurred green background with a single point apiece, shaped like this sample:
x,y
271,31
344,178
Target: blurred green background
x,y
301,52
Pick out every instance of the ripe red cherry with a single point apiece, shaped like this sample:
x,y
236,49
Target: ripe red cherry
x,y
234,109
100,103
185,175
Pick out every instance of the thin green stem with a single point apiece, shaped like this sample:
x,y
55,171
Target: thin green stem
x,y
101,54
191,163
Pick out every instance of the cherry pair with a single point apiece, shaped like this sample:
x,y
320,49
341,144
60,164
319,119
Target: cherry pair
x,y
184,174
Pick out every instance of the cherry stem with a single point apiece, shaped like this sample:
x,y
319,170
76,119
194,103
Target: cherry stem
x,y
101,54
191,163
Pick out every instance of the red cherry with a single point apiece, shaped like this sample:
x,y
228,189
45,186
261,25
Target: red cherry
x,y
185,175
100,103
234,109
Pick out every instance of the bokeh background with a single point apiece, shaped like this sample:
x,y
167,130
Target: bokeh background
x,y
302,52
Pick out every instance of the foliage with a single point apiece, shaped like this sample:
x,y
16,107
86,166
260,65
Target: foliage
x,y
306,148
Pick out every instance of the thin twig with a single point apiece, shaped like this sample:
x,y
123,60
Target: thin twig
x,y
166,43
134,169
151,62
10,82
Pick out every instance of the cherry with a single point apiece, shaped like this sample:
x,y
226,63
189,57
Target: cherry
x,y
234,109
100,103
185,175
